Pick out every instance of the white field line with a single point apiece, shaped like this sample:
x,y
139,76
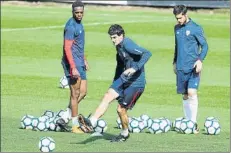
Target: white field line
x,y
87,24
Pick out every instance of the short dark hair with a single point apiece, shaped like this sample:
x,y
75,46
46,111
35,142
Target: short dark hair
x,y
77,3
178,9
116,29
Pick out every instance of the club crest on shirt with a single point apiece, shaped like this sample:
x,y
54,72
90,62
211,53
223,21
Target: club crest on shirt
x,y
187,32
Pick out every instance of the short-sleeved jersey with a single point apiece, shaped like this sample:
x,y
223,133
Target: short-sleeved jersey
x,y
190,45
75,31
130,55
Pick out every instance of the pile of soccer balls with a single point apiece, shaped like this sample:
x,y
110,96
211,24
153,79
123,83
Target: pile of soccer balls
x,y
139,124
185,126
163,125
45,122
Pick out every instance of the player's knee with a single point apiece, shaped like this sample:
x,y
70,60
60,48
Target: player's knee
x,y
83,93
192,92
75,94
121,110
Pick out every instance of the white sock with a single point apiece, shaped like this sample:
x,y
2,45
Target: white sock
x,y
124,132
193,104
186,108
75,121
93,121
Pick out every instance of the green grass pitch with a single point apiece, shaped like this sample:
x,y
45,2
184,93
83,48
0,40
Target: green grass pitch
x,y
31,69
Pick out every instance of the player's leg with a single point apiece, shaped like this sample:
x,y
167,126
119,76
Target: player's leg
x,y
113,92
182,86
74,95
83,86
126,101
122,112
72,110
68,112
108,97
193,104
193,85
83,90
188,85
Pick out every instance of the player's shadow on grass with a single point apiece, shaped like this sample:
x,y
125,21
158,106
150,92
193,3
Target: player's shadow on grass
x,y
106,136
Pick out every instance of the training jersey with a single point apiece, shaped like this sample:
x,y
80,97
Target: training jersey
x,y
73,48
130,55
190,45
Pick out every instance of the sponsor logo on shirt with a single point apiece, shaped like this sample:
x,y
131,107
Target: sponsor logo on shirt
x,y
187,32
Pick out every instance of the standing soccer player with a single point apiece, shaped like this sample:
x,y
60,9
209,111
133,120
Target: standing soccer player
x,y
190,51
129,80
74,63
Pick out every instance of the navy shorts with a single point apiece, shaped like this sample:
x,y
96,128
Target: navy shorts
x,y
187,80
128,95
81,69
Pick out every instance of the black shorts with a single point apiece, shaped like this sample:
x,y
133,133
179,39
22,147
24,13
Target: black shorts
x,y
129,96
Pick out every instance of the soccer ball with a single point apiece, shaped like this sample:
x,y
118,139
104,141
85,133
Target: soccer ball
x,y
212,126
143,125
135,126
187,126
53,126
34,123
101,126
49,113
165,124
63,82
176,124
44,118
149,122
167,120
155,127
62,114
40,124
26,122
144,117
46,144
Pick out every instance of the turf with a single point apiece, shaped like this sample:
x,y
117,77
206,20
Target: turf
x,y
31,69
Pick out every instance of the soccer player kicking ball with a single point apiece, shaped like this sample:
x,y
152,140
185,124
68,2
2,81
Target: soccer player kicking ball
x,y
129,80
190,51
74,64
